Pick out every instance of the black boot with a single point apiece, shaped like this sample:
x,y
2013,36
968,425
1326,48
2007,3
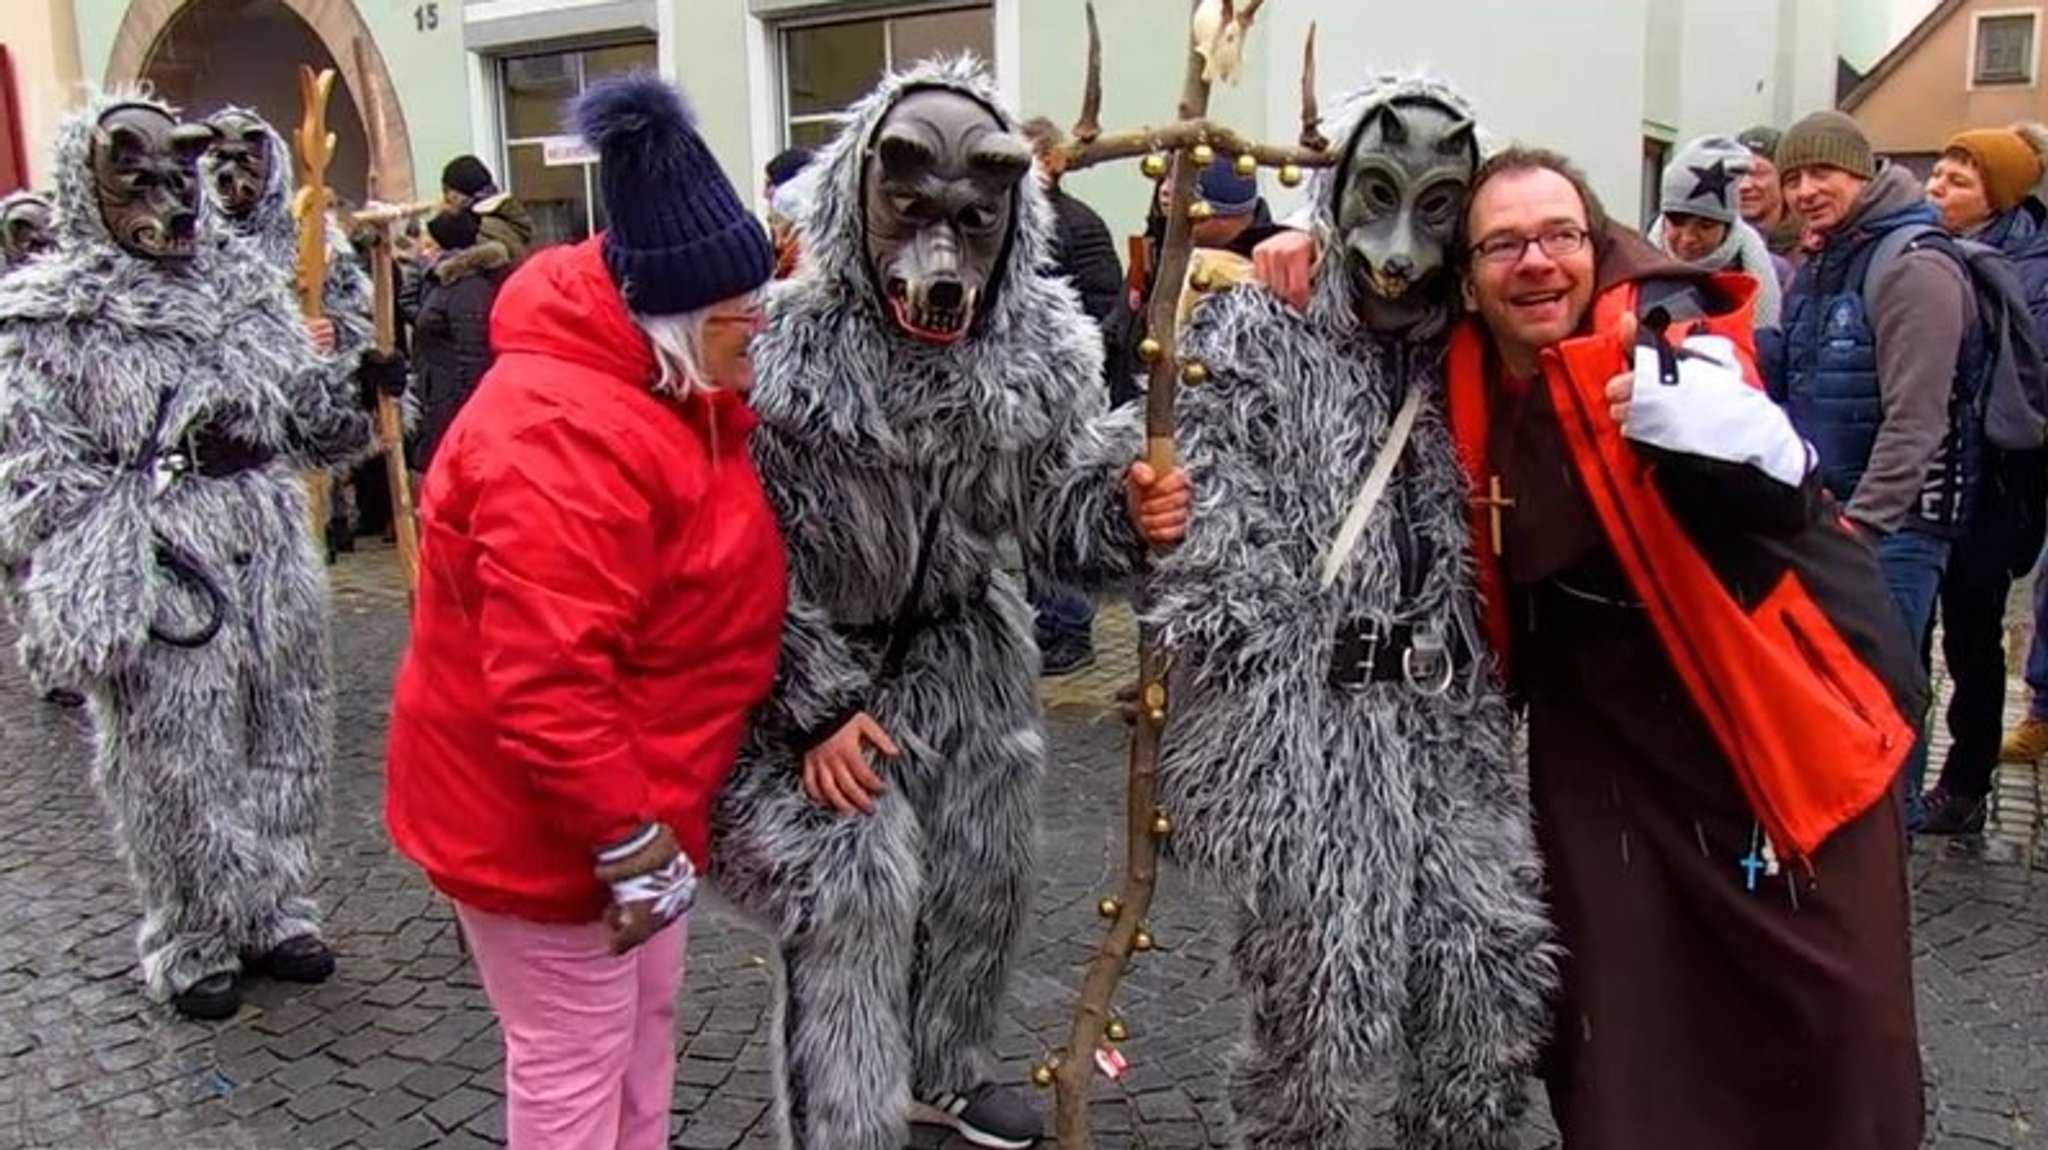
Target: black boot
x,y
301,958
1953,814
211,999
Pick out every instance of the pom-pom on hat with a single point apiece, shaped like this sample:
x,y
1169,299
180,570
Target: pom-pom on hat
x,y
678,240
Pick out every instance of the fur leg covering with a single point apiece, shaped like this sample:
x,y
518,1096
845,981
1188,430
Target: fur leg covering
x,y
163,763
841,893
1481,961
290,730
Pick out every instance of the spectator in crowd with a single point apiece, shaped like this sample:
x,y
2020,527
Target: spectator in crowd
x,y
780,191
452,340
1763,196
1874,345
1699,223
467,183
1983,187
601,600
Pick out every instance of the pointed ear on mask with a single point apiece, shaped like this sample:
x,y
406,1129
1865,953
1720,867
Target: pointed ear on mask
x,y
1393,129
1000,159
121,140
903,155
1461,140
191,140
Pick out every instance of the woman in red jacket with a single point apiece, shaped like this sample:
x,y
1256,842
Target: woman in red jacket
x,y
600,606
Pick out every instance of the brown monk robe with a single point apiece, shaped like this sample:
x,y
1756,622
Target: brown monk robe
x,y
1696,1014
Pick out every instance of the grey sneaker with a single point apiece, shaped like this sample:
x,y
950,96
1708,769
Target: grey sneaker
x,y
987,1115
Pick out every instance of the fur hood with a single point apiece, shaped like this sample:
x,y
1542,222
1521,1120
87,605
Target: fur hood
x,y
1000,388
1330,297
270,225
480,258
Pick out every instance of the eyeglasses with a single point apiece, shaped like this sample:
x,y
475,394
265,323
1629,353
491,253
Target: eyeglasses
x,y
1557,243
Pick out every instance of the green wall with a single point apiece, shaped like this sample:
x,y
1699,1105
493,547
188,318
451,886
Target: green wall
x,y
428,67
710,45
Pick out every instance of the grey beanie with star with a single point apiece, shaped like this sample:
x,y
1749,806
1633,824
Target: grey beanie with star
x,y
1701,179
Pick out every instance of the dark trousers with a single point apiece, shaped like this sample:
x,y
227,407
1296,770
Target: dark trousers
x,y
1972,608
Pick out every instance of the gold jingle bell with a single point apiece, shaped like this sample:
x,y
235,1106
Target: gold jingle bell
x,y
1149,349
1154,166
1194,373
1201,279
1042,1075
1161,824
1203,155
1290,175
1142,940
1247,165
1109,907
1116,1031
1200,211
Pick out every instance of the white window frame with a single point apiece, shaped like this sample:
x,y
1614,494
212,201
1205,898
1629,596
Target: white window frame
x,y
2033,54
504,141
780,122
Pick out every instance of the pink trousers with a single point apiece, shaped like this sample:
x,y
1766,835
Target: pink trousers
x,y
590,1039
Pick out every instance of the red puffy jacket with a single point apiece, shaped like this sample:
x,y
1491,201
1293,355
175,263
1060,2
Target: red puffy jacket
x,y
600,605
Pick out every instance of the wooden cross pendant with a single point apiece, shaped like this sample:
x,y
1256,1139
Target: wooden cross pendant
x,y
1495,503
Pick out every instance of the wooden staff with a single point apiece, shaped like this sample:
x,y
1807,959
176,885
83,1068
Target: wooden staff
x,y
384,277
1194,142
315,146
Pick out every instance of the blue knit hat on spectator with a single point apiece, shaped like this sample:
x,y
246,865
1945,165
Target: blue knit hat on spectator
x,y
1227,192
678,240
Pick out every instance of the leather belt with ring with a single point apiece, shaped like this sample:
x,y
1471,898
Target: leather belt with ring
x,y
1418,655
167,468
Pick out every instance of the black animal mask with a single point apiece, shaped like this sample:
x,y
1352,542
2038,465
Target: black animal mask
x,y
238,166
939,203
145,167
25,230
1399,194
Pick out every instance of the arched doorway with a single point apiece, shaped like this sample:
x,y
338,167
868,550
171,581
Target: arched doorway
x,y
203,54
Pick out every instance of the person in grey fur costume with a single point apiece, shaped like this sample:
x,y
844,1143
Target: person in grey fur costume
x,y
887,451
25,228
158,393
1337,755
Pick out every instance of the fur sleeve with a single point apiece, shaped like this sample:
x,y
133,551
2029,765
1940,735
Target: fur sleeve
x,y
331,428
818,683
1079,532
348,300
74,535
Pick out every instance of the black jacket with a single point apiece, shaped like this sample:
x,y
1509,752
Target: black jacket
x,y
452,340
1085,253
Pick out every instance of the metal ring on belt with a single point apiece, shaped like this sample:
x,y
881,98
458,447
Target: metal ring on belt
x,y
187,573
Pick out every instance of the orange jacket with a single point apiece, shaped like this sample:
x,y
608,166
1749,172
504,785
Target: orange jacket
x,y
1784,665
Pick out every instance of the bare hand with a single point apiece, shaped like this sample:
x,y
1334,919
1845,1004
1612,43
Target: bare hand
x,y
836,771
1158,505
1622,387
1285,265
321,332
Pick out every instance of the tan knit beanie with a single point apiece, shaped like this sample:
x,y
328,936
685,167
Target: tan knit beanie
x,y
2005,161
1826,139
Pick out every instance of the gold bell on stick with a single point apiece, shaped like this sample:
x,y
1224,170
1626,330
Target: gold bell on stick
x,y
1154,166
1042,1075
1162,824
1116,1031
1109,907
1247,165
1203,155
1143,940
1200,211
1194,373
1149,349
1290,175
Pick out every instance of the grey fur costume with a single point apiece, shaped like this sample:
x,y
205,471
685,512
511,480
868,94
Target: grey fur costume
x,y
897,927
212,760
1376,840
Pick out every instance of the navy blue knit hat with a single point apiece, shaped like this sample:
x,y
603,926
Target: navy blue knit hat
x,y
678,239
1227,192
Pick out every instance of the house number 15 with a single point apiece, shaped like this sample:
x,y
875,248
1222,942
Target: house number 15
x,y
427,17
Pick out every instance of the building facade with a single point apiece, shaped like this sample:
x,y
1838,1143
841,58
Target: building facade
x,y
1615,83
1968,64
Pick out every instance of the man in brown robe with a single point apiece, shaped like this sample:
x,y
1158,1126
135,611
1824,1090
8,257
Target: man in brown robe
x,y
1715,684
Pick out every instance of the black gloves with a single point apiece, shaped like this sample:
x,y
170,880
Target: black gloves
x,y
379,374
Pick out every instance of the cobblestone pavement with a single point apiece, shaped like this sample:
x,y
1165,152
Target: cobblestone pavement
x,y
399,1051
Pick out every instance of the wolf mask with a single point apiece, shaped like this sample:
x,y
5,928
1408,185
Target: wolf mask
x,y
938,209
145,168
1396,202
238,165
25,228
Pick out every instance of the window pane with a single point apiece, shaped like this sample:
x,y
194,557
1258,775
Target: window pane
x,y
813,133
2003,45
828,67
915,38
555,196
536,90
619,60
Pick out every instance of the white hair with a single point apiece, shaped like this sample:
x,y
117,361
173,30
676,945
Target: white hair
x,y
679,351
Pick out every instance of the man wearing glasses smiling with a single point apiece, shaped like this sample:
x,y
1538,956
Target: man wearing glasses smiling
x,y
1716,690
